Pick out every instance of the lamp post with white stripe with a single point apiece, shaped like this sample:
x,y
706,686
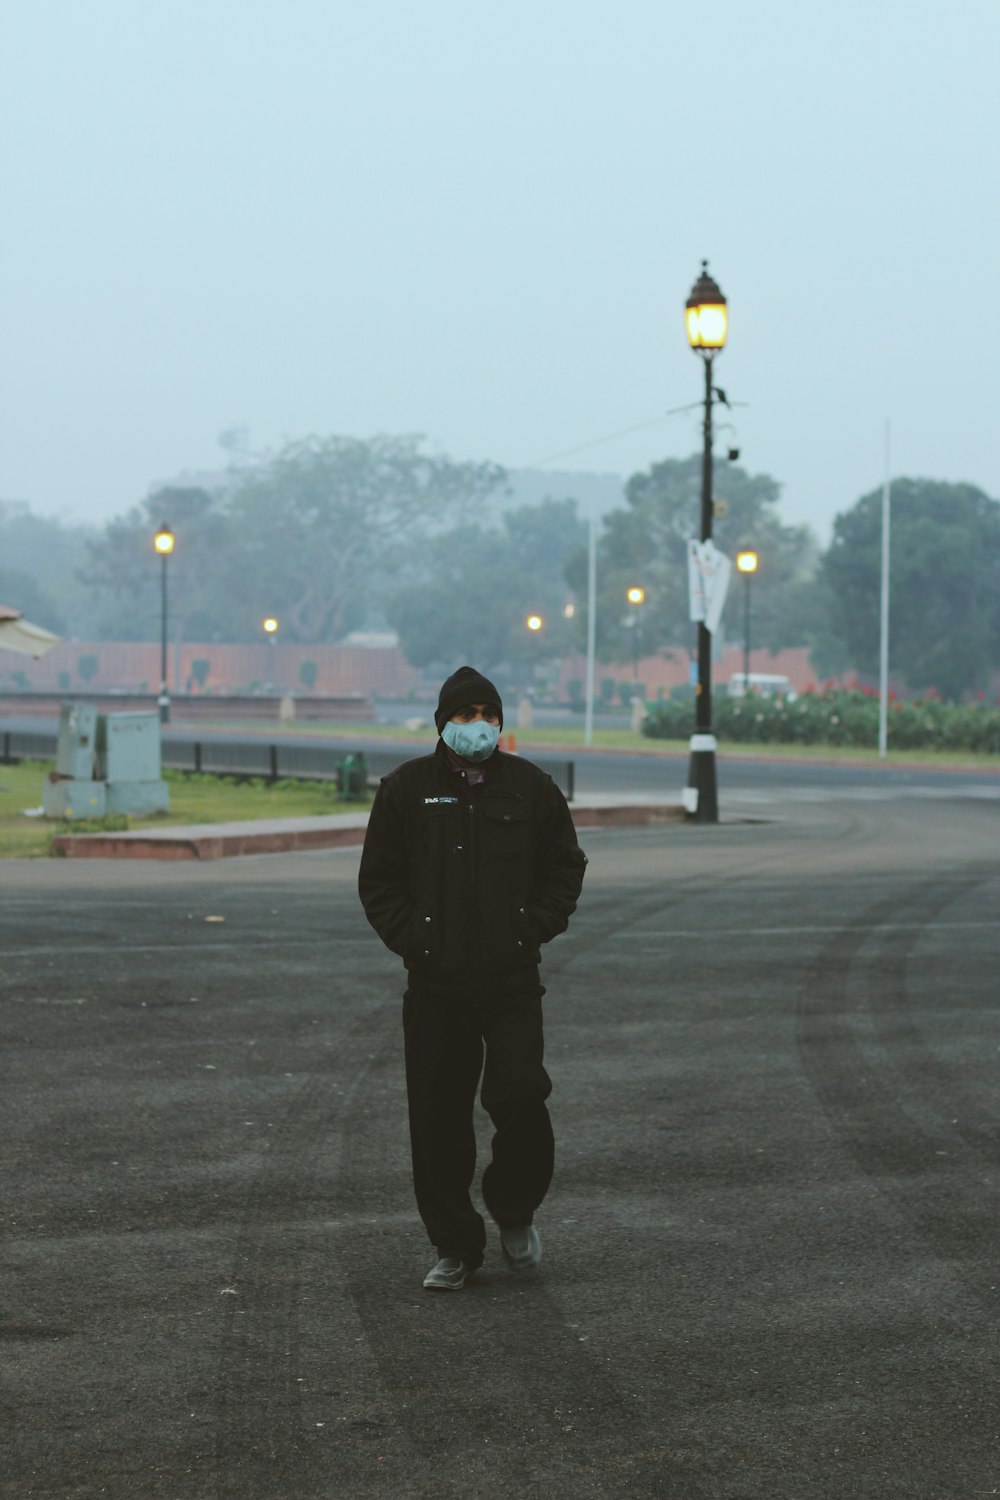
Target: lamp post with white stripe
x,y
707,320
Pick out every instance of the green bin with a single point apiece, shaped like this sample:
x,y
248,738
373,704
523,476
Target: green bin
x,y
352,776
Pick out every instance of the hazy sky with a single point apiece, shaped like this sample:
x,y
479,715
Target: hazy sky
x,y
481,223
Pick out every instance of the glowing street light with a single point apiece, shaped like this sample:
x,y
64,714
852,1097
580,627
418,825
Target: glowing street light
x,y
707,321
635,595
706,315
270,628
534,622
163,542
746,563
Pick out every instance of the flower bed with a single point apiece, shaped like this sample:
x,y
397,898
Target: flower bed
x,y
836,718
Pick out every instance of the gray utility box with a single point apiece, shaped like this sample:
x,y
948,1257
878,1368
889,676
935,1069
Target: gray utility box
x,y
77,744
74,799
128,762
128,747
105,763
71,791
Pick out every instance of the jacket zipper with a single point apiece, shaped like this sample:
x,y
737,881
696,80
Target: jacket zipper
x,y
472,852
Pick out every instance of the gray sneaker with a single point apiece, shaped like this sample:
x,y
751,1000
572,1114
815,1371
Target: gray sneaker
x,y
521,1245
449,1275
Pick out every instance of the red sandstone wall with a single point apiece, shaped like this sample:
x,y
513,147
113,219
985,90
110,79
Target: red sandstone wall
x,y
339,669
671,669
232,668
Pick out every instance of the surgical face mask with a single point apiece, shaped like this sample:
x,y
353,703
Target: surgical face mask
x,y
476,741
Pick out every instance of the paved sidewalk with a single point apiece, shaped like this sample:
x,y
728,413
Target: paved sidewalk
x,y
279,835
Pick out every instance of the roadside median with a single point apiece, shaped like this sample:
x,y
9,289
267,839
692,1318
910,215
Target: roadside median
x,y
207,841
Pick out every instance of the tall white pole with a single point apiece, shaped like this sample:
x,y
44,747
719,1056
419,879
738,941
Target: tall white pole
x,y
883,665
588,727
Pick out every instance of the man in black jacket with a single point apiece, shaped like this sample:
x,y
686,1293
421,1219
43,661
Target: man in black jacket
x,y
470,864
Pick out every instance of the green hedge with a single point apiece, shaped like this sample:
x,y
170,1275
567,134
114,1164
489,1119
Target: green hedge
x,y
835,718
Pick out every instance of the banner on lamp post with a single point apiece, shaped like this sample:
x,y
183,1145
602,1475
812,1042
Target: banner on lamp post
x,y
708,582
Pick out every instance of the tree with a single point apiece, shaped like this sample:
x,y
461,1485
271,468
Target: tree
x,y
466,605
479,585
20,591
944,584
38,574
124,570
645,543
311,533
325,521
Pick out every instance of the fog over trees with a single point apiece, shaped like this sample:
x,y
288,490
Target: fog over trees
x,y
644,544
332,534
478,584
944,585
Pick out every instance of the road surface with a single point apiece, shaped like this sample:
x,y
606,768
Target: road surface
x,y
770,1247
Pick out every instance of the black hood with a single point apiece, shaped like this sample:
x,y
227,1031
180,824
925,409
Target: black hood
x,y
462,687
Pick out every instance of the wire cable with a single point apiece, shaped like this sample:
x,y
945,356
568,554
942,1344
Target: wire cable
x,y
611,436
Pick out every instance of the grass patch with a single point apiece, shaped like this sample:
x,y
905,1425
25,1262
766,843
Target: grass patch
x,y
193,799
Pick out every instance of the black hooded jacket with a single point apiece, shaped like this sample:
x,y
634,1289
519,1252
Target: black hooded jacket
x,y
453,875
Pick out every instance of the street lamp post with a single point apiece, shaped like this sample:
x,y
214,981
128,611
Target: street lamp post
x,y
163,541
534,624
707,321
636,597
270,627
746,562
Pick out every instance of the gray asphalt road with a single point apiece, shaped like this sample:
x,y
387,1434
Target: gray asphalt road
x,y
770,1248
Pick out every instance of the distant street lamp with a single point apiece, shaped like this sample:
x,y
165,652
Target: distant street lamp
x,y
636,596
270,627
534,622
747,562
707,322
163,542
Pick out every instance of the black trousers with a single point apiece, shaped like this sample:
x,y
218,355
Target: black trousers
x,y
448,1030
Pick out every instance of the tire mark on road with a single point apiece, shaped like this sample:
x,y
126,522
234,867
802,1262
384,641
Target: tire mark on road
x,y
938,1085
261,1451
550,1421
941,1199
620,913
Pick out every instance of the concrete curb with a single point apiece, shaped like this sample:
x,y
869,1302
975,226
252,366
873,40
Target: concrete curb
x,y
626,816
221,845
226,841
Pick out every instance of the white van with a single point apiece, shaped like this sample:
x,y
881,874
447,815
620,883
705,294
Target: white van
x,y
764,684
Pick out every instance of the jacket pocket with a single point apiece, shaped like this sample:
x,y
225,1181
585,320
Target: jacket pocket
x,y
507,830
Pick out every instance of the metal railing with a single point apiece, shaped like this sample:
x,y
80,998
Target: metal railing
x,y
16,745
219,756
